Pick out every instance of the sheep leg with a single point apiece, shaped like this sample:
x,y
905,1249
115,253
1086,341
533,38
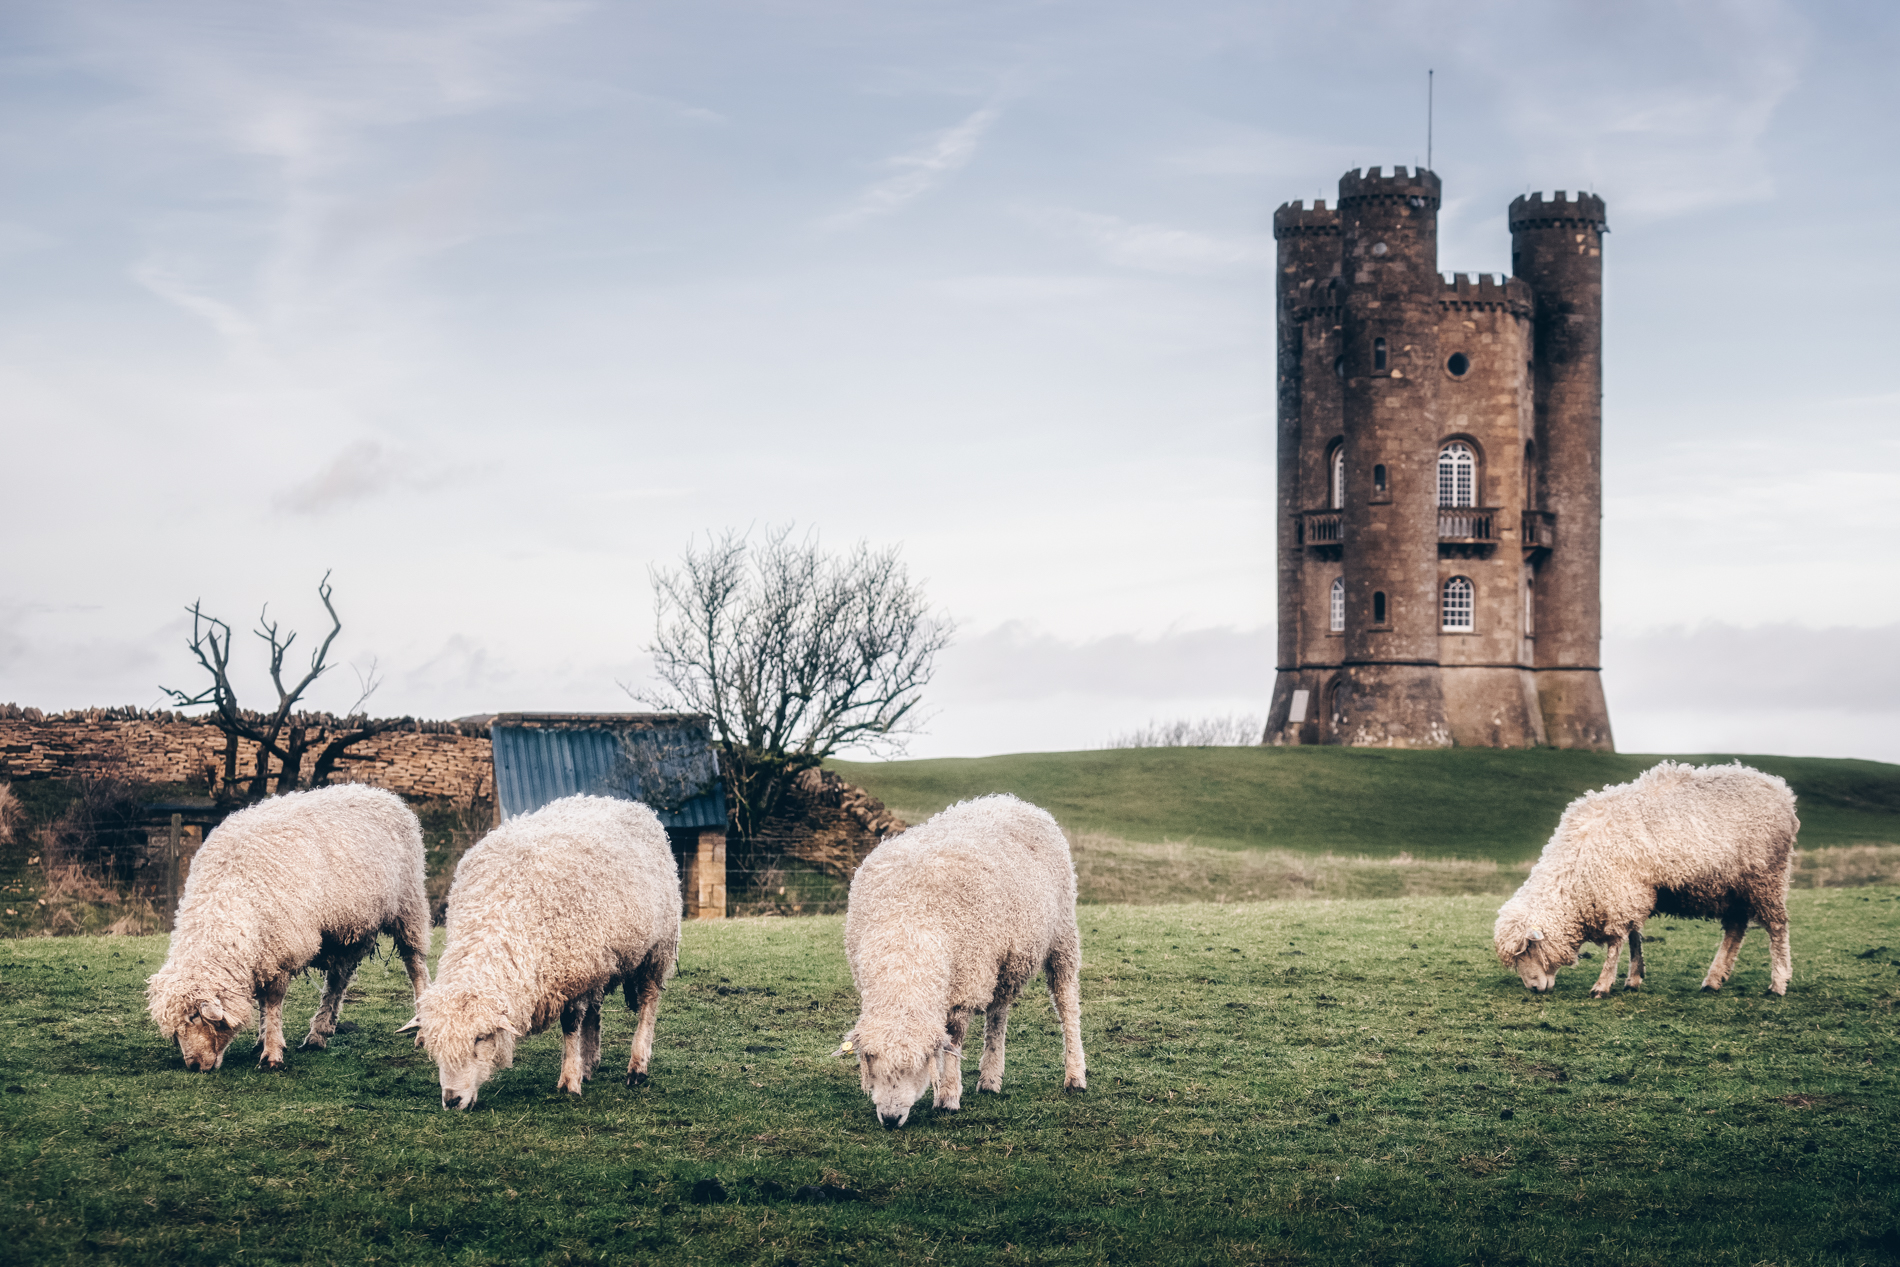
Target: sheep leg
x,y
649,979
947,1094
573,1016
1780,957
1724,962
590,1035
336,979
989,1070
1065,992
412,943
1606,980
270,1025
1633,979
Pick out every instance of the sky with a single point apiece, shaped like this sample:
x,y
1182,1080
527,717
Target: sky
x,y
490,308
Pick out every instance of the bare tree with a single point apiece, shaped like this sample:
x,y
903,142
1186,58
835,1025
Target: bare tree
x,y
793,654
281,733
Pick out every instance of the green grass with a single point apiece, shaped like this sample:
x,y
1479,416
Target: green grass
x,y
1449,803
1269,1083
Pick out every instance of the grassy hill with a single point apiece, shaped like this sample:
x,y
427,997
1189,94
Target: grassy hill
x,y
1475,803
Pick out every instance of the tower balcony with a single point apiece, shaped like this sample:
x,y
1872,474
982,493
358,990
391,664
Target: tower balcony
x,y
1540,530
1468,525
1322,528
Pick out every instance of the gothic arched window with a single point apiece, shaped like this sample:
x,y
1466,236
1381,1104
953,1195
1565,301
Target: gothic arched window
x,y
1457,475
1336,478
1458,605
1338,605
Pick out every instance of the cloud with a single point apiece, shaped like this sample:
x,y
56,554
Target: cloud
x,y
364,470
918,172
1015,662
1156,247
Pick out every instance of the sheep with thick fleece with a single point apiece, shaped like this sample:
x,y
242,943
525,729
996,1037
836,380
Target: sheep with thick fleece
x,y
307,879
1709,842
548,915
953,917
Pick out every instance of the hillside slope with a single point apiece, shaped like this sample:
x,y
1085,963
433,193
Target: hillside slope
x,y
1445,803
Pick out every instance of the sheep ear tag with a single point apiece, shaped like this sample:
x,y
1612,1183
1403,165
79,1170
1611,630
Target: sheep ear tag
x,y
849,1046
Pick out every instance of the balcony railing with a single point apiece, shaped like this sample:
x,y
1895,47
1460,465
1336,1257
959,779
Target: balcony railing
x,y
1321,528
1540,530
1475,525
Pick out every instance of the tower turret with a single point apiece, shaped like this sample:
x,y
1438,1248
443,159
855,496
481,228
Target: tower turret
x,y
1391,692
1557,247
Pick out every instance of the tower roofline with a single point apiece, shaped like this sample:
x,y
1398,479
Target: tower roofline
x,y
1360,186
1293,218
1534,210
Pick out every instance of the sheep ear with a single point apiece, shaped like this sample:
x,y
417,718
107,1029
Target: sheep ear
x,y
211,1011
415,1022
848,1046
1537,934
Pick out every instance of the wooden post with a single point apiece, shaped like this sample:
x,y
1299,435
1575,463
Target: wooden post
x,y
709,876
171,872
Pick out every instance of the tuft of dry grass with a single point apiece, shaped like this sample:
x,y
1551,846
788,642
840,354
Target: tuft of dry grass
x,y
1113,871
1847,866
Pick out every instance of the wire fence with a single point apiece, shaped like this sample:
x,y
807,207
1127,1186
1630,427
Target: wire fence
x,y
784,886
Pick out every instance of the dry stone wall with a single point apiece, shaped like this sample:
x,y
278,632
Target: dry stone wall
x,y
449,760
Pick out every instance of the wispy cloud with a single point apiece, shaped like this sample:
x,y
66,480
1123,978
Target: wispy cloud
x,y
1156,248
366,469
919,171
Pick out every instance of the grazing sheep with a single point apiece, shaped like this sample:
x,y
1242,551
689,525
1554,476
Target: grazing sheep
x,y
953,917
303,880
1709,842
548,915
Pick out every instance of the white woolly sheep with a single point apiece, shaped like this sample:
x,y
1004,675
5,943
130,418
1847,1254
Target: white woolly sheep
x,y
1710,842
548,915
952,917
307,879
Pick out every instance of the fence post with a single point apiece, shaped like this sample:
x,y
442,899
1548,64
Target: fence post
x,y
171,871
709,876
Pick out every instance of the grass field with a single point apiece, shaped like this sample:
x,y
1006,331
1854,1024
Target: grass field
x,y
1468,803
1269,1083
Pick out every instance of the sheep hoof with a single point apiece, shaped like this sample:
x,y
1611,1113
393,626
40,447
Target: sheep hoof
x,y
315,1040
636,1079
1075,1086
989,1090
1709,989
947,1108
269,1063
1599,994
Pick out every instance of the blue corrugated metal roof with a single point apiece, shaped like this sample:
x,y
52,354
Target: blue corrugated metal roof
x,y
664,760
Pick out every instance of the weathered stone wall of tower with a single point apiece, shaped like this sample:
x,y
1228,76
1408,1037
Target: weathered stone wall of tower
x,y
1390,694
1308,259
1485,402
1557,247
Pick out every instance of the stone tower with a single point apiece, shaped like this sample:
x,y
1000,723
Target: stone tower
x,y
1440,476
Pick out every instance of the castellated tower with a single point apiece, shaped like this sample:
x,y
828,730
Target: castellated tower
x,y
1440,476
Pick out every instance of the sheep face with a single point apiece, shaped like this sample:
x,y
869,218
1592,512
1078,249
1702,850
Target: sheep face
x,y
204,1037
466,1065
1536,958
893,1073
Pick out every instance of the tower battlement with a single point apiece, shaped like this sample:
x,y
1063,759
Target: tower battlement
x,y
1488,290
1534,210
1358,186
1296,217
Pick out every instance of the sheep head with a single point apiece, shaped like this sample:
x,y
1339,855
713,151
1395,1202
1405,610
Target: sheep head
x,y
470,1036
894,1067
201,1020
1532,951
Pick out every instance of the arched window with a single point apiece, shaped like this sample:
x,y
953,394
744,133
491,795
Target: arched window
x,y
1530,603
1378,356
1530,476
1457,475
1378,479
1458,605
1338,605
1378,607
1336,478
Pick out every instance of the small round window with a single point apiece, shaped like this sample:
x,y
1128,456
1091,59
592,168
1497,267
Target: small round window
x,y
1459,365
